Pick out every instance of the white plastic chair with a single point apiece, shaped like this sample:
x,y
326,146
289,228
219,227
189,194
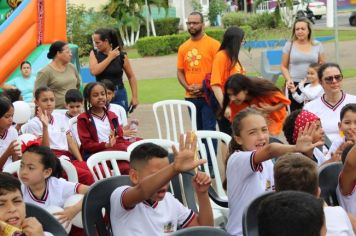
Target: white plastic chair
x,y
165,143
102,158
74,129
220,213
173,118
68,167
120,112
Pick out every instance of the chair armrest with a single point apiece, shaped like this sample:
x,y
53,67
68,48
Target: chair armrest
x,y
219,201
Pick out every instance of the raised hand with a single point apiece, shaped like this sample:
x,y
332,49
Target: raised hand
x,y
201,182
114,53
305,138
291,87
351,135
336,156
184,159
42,115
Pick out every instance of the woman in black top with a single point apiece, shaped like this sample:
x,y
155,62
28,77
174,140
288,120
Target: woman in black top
x,y
107,61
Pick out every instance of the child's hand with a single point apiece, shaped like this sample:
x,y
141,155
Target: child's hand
x,y
351,135
302,83
112,140
13,149
263,107
66,215
42,115
227,112
31,227
184,159
201,182
129,132
291,87
336,156
305,138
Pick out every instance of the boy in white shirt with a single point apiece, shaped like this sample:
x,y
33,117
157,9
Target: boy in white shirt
x,y
298,172
147,208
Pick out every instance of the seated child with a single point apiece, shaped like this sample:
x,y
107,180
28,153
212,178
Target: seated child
x,y
9,150
74,104
311,91
53,128
347,127
13,94
291,213
297,120
98,128
13,209
249,170
147,208
299,173
345,190
39,172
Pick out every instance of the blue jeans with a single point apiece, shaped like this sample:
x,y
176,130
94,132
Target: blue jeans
x,y
205,120
121,98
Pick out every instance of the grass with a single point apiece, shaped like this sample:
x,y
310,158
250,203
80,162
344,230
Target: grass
x,y
154,90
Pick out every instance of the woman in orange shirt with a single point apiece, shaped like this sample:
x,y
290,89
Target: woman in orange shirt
x,y
226,63
263,95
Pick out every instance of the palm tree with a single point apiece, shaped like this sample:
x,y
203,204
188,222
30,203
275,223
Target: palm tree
x,y
159,4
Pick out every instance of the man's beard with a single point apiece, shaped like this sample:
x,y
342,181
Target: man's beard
x,y
197,32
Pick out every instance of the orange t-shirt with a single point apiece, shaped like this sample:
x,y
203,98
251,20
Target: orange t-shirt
x,y
221,69
196,59
275,119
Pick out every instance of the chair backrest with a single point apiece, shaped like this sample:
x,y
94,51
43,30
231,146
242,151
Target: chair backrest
x,y
274,57
165,143
74,129
171,117
249,217
209,137
120,112
49,223
14,167
328,181
97,198
200,231
99,160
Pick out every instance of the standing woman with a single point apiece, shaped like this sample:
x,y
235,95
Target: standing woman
x,y
298,54
60,75
24,82
107,61
226,63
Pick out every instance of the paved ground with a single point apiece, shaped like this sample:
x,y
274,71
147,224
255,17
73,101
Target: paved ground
x,y
165,67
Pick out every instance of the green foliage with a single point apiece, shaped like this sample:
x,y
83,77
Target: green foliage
x,y
255,21
166,26
160,45
81,24
216,7
197,6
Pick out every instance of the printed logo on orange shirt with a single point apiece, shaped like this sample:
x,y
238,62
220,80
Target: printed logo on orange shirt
x,y
193,57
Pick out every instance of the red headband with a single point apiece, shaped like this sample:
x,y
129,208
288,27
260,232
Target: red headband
x,y
30,143
302,119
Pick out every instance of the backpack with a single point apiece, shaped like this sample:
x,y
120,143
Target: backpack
x,y
209,95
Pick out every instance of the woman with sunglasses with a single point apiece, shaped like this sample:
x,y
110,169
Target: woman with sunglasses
x,y
226,63
298,54
328,106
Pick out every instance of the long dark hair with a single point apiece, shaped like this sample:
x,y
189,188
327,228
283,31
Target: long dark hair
x,y
236,130
108,34
48,159
231,43
255,87
86,94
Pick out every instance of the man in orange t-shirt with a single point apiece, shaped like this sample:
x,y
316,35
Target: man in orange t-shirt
x,y
195,60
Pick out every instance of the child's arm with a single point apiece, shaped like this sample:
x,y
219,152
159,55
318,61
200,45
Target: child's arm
x,y
10,151
311,94
348,173
183,161
44,120
304,144
298,97
73,148
201,184
268,108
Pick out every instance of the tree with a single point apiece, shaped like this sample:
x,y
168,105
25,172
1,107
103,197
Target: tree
x,y
149,19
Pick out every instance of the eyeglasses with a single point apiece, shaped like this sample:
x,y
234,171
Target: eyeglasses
x,y
192,23
330,79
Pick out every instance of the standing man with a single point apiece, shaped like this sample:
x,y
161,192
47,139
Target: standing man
x,y
195,60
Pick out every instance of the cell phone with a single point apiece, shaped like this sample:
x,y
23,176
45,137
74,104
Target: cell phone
x,y
131,108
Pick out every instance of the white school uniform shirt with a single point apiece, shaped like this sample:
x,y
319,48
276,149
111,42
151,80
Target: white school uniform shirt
x,y
334,146
116,109
329,115
308,93
102,126
348,201
73,129
245,182
337,222
160,218
57,192
58,129
5,140
319,156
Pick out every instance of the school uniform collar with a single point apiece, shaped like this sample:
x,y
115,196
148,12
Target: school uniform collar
x,y
99,117
44,197
4,135
150,204
68,115
334,107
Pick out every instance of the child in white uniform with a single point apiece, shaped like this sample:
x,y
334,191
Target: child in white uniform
x,y
39,172
249,170
74,104
9,150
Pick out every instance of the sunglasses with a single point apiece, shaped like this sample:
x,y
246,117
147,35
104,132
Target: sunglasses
x,y
330,79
